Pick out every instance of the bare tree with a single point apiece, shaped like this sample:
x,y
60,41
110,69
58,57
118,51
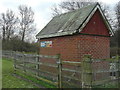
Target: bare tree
x,y
3,25
26,19
73,5
117,10
69,5
8,22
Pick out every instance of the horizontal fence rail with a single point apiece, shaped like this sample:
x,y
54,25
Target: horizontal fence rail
x,y
67,74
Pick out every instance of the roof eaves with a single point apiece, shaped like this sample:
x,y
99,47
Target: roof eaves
x,y
44,27
56,34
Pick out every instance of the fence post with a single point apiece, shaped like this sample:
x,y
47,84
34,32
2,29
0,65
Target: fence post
x,y
37,66
24,63
59,62
87,72
14,58
118,67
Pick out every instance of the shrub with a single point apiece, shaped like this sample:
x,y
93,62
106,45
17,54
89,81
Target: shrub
x,y
15,44
114,51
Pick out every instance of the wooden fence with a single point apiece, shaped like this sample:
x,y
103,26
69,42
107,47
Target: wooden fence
x,y
67,74
98,72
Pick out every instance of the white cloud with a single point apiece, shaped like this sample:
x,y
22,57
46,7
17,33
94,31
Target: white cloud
x,y
2,8
109,1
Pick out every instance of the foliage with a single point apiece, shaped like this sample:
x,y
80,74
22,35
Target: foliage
x,y
115,40
15,44
114,51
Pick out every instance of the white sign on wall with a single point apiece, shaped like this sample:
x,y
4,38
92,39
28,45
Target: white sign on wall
x,y
46,44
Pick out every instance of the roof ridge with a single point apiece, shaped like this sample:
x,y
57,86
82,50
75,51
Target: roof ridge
x,y
96,3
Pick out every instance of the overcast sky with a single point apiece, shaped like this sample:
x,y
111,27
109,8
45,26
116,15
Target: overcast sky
x,y
42,8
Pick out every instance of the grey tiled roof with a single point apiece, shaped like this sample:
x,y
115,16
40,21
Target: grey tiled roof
x,y
67,23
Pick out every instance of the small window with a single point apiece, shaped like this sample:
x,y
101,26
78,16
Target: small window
x,y
112,74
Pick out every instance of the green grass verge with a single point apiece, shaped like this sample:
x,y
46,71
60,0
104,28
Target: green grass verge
x,y
108,85
8,80
45,84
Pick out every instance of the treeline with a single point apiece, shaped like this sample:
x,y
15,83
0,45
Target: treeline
x,y
17,30
115,40
16,44
115,43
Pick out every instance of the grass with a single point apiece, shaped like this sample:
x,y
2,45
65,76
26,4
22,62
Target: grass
x,y
108,85
45,84
35,53
8,80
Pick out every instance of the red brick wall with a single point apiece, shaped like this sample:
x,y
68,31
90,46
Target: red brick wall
x,y
72,48
66,46
98,47
75,46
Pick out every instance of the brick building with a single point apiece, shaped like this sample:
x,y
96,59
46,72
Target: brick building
x,y
79,32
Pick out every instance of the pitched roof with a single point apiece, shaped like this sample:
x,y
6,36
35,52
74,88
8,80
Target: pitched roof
x,y
69,23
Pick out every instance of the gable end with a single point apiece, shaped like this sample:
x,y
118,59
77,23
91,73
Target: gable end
x,y
107,25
